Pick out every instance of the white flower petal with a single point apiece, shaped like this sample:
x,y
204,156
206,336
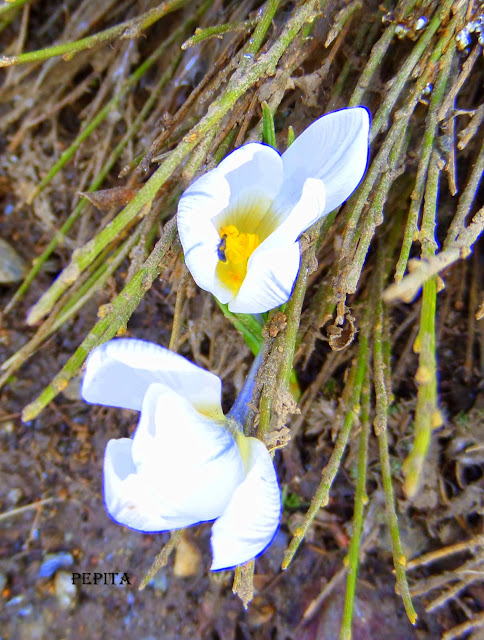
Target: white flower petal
x,y
119,372
202,262
252,517
271,272
203,200
306,211
333,149
191,462
251,174
252,171
128,499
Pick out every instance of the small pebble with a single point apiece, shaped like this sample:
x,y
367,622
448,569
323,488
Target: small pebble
x,y
463,39
159,582
65,591
15,600
188,559
52,562
8,426
12,266
421,22
14,495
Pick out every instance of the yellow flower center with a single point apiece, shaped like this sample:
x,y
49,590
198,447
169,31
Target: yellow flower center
x,y
234,251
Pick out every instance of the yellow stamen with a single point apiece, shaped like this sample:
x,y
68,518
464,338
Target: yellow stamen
x,y
234,251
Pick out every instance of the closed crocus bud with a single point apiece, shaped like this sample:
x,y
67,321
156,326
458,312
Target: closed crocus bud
x,y
239,224
186,462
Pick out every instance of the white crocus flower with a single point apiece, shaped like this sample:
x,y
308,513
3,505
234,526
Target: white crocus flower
x,y
186,462
239,224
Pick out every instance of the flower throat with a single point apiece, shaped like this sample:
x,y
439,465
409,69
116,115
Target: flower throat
x,y
234,251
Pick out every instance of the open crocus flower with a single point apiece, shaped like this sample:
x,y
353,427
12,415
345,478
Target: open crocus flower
x,y
239,223
186,462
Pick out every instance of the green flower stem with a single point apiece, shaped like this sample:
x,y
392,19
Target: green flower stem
x,y
263,26
129,29
265,407
427,415
268,129
245,77
217,31
361,499
247,325
107,327
351,399
387,344
380,425
428,142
